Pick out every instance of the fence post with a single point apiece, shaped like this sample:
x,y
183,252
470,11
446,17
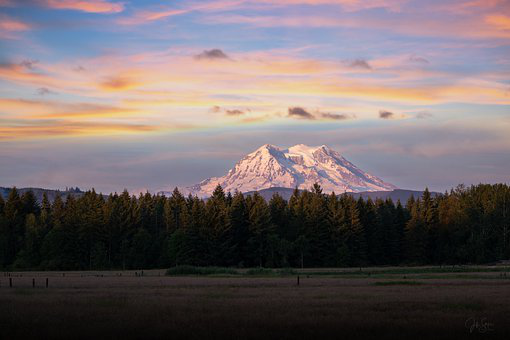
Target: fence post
x,y
33,282
10,282
298,280
46,282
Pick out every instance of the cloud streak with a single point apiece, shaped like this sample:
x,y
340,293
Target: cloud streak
x,y
67,129
89,6
299,112
9,27
213,54
360,63
383,114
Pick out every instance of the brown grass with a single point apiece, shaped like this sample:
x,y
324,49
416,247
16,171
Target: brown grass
x,y
87,305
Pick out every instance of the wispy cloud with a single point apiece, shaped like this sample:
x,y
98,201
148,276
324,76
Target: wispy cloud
x,y
302,113
235,112
45,109
148,16
334,116
500,21
211,55
424,115
360,63
28,63
299,112
230,112
417,59
43,91
470,26
66,128
383,114
9,27
90,6
118,83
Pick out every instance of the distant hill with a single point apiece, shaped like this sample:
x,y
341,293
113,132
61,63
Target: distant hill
x,y
397,194
38,192
286,193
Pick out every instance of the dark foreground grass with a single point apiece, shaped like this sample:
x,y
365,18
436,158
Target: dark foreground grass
x,y
397,283
226,271
200,271
244,307
363,272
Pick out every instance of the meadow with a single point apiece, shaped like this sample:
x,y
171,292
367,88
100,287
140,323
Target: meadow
x,y
380,302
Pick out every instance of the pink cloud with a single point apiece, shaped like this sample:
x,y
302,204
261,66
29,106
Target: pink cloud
x,y
90,6
10,26
149,16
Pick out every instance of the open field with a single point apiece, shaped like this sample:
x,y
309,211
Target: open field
x,y
423,302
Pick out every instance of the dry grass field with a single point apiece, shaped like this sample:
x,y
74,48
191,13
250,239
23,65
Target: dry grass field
x,y
332,304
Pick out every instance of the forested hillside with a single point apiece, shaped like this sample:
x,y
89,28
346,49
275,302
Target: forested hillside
x,y
466,225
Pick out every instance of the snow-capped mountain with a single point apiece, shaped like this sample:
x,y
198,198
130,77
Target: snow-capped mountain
x,y
298,166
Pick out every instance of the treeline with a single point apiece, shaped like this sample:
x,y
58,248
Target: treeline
x,y
466,225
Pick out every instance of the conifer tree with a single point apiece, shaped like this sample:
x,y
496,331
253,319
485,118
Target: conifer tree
x,y
416,236
260,227
14,226
239,224
353,248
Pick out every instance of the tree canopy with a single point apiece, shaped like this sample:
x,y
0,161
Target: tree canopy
x,y
312,229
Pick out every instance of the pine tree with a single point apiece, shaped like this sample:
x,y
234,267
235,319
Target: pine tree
x,y
280,217
175,211
222,247
400,221
2,205
260,227
369,221
416,236
29,202
239,224
14,227
29,256
4,235
318,229
352,252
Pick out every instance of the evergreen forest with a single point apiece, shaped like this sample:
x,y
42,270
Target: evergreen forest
x,y
312,229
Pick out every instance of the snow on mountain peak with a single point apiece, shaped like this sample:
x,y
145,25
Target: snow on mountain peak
x,y
298,166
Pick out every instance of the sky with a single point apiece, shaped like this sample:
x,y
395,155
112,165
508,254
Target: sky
x,y
149,95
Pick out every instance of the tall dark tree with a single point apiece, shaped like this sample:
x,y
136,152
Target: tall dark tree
x,y
260,228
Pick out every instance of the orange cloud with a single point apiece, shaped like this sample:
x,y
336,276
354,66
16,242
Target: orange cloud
x,y
171,88
65,128
90,6
500,21
34,109
118,83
